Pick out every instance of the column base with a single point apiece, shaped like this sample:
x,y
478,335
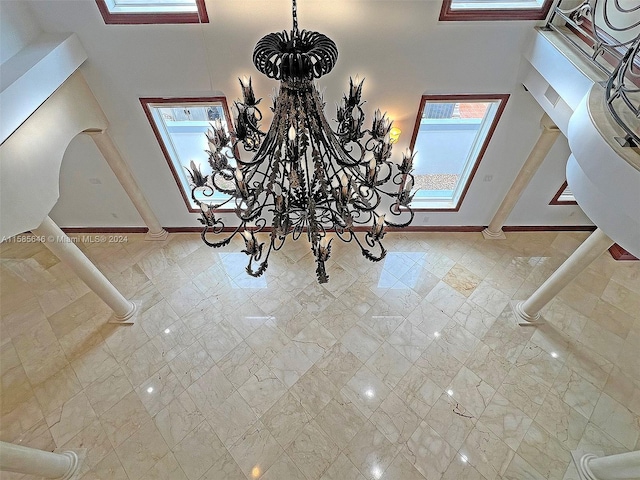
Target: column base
x,y
126,319
489,235
157,236
524,319
77,458
580,460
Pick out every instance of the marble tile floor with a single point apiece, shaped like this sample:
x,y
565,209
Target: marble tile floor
x,y
411,368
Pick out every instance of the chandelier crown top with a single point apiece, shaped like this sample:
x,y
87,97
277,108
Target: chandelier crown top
x,y
296,55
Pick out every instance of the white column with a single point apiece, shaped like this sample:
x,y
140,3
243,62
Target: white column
x,y
539,152
623,466
111,154
63,248
31,461
527,312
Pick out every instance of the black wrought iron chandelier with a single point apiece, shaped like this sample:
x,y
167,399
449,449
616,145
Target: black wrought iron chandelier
x,y
304,177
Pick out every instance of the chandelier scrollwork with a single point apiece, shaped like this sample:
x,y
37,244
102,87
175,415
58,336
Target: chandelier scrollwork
x,y
303,176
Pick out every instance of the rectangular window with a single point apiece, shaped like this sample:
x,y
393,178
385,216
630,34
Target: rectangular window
x,y
563,196
451,135
132,12
453,10
179,125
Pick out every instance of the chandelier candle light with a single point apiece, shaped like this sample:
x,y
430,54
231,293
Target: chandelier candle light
x,y
303,177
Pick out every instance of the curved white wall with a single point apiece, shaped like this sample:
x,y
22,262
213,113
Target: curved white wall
x,y
30,158
604,177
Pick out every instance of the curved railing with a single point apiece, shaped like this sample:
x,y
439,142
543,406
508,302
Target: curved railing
x,y
623,93
608,33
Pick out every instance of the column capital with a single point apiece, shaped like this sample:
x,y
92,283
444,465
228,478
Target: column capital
x,y
123,173
548,124
95,131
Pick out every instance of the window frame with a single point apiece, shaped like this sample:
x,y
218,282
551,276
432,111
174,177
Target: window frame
x,y
556,198
447,14
157,18
503,98
149,102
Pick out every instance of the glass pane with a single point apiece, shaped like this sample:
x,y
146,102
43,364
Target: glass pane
x,y
566,196
154,3
495,4
449,139
151,6
182,128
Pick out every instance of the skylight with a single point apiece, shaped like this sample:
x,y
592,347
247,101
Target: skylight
x,y
157,6
564,196
180,126
495,4
494,9
152,11
451,136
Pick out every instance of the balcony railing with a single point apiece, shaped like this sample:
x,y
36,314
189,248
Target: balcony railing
x,y
608,33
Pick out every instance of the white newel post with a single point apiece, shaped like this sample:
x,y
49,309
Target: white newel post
x,y
122,172
63,248
624,466
539,152
527,312
31,461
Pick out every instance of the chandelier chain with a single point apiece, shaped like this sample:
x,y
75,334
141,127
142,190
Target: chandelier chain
x,y
294,12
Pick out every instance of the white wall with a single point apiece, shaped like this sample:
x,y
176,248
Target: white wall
x,y
400,47
100,201
31,157
18,28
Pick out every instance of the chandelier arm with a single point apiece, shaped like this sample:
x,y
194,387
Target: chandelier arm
x,y
207,191
229,154
371,142
267,146
371,243
388,171
397,212
262,267
331,217
378,193
219,188
321,167
282,240
342,156
307,173
217,231
251,123
209,205
251,214
329,165
344,235
204,190
332,146
297,230
361,213
372,205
